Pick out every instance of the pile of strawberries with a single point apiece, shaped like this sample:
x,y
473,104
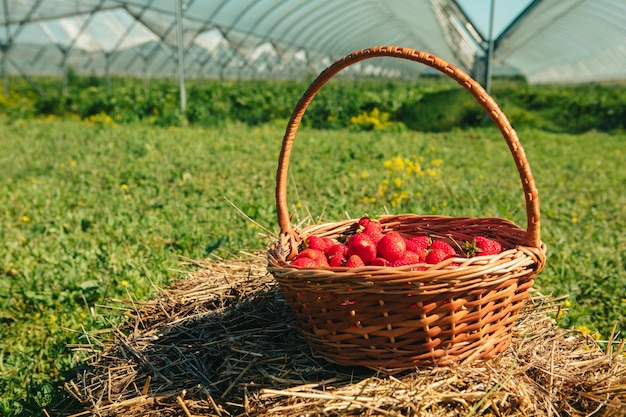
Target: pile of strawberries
x,y
371,246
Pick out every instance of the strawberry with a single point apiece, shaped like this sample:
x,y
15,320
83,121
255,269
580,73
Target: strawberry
x,y
361,244
374,230
379,262
444,246
421,252
420,241
412,246
355,261
304,262
315,255
311,254
392,247
337,261
319,243
364,221
436,255
337,250
482,246
409,258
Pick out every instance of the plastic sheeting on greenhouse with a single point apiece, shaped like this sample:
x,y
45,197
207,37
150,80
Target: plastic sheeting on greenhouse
x,y
552,41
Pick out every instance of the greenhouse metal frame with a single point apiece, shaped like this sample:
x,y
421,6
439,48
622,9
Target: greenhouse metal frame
x,y
551,41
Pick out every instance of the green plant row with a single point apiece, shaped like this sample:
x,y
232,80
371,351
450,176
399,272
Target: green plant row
x,y
423,105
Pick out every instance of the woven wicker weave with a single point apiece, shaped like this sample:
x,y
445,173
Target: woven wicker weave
x,y
399,318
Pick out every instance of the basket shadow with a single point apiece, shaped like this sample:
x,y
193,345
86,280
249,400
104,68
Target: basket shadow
x,y
221,353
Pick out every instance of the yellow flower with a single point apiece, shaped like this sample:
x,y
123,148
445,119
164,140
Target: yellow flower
x,y
397,181
364,175
25,219
124,187
574,219
399,163
124,283
586,330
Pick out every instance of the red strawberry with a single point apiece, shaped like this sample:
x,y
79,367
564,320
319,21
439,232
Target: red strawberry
x,y
410,245
304,262
361,244
379,262
364,221
421,241
338,249
444,246
436,255
337,261
374,230
316,255
392,247
421,252
355,261
482,246
320,243
409,258
310,253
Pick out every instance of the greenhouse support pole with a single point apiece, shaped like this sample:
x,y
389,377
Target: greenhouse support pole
x,y
181,64
489,54
5,71
5,50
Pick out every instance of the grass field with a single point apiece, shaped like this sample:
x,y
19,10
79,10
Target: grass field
x,y
91,211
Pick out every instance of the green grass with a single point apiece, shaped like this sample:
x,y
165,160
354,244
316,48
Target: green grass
x,y
94,211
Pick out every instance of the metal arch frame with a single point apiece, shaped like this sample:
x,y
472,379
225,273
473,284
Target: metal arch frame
x,y
65,50
281,40
9,43
308,25
251,31
121,39
314,22
413,33
333,33
206,24
233,25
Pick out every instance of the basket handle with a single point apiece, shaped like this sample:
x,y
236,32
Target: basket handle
x,y
474,88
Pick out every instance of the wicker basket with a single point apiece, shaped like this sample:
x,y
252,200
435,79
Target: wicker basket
x,y
399,318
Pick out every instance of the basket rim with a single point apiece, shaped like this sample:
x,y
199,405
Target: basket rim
x,y
451,269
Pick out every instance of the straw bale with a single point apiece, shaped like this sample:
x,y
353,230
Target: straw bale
x,y
224,342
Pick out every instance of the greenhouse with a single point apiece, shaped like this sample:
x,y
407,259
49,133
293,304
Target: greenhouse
x,y
551,41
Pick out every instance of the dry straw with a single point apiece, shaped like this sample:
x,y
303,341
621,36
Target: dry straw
x,y
224,342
